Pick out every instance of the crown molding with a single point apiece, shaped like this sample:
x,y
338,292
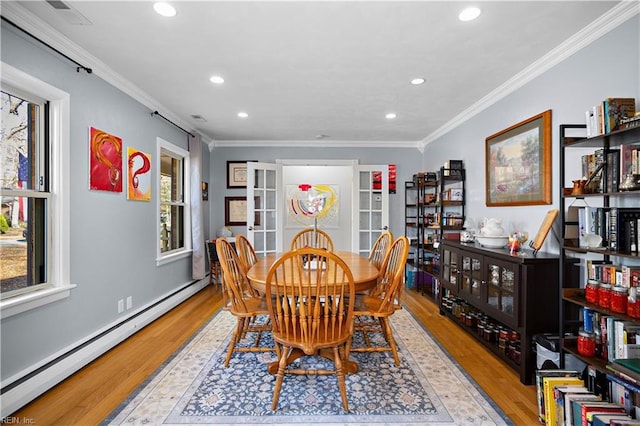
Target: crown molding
x,y
322,143
616,16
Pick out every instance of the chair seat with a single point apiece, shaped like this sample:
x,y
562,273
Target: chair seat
x,y
369,306
290,336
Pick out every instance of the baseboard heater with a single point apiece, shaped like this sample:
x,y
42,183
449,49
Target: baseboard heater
x,y
28,387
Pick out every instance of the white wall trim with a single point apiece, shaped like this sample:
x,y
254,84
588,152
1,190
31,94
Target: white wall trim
x,y
319,144
87,350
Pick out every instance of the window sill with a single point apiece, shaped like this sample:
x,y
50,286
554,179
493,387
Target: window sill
x,y
172,257
35,299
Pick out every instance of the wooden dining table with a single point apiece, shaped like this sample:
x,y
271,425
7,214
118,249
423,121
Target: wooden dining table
x,y
364,273
365,276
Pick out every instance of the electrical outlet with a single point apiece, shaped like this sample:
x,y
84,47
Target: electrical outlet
x,y
129,302
120,306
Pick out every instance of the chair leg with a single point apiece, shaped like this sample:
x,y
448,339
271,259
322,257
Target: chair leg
x,y
234,339
342,385
391,340
280,377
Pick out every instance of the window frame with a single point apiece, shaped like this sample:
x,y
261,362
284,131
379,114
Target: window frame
x,y
58,223
167,148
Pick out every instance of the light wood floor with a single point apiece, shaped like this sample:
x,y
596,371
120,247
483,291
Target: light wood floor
x,y
94,392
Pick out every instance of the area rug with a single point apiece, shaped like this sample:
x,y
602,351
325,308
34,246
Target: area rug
x,y
194,387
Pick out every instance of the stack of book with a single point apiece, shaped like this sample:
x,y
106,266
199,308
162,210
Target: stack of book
x,y
617,226
564,399
608,116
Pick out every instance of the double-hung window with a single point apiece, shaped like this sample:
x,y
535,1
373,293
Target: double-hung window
x,y
174,214
34,243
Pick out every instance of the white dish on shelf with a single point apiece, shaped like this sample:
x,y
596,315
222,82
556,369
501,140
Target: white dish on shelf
x,y
492,241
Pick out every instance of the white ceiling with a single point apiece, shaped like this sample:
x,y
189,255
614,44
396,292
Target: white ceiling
x,y
302,69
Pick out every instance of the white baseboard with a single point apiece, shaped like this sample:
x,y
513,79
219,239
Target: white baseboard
x,y
57,371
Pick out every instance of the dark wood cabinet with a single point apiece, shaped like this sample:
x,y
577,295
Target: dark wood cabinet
x,y
515,294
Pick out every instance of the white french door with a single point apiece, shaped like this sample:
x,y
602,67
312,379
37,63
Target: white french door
x,y
263,200
266,205
371,205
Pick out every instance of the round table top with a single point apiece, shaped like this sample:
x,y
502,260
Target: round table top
x,y
364,273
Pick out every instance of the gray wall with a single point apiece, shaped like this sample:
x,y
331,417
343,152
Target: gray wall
x,y
408,162
609,67
113,241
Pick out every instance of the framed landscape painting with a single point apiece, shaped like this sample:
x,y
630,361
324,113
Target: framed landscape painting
x,y
518,163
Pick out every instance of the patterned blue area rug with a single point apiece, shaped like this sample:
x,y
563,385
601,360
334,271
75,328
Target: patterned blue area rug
x,y
194,387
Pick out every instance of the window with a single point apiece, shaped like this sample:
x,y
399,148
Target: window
x,y
34,186
24,148
174,223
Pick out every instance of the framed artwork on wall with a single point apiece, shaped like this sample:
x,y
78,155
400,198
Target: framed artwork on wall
x,y
518,163
235,211
236,174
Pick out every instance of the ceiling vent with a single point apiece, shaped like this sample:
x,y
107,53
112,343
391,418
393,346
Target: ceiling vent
x,y
68,14
198,118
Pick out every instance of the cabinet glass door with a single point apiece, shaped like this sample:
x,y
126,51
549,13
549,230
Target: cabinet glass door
x,y
501,288
471,276
450,270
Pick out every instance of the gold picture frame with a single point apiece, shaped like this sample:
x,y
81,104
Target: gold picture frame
x,y
518,164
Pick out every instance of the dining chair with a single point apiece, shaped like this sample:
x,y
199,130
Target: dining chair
x,y
246,252
306,237
311,311
214,264
372,311
245,306
380,248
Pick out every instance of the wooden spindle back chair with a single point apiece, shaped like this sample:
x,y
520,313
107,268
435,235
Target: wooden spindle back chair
x,y
243,303
311,311
373,311
246,252
380,249
310,237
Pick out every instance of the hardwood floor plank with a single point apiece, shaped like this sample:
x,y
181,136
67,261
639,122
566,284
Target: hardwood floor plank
x,y
92,393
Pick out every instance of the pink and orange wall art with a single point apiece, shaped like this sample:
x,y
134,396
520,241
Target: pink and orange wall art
x,y
139,175
105,173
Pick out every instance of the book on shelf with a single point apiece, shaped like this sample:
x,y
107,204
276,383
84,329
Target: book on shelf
x,y
629,159
629,365
581,408
619,228
453,168
540,376
614,110
630,275
604,419
569,403
613,170
562,394
548,384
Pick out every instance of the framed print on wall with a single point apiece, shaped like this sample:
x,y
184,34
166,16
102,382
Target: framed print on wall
x,y
105,161
235,211
518,163
236,174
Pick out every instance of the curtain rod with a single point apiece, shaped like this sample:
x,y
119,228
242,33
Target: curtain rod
x,y
79,65
166,119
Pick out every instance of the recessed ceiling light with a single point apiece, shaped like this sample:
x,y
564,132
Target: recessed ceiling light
x,y
391,116
243,115
417,81
469,14
164,9
216,79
